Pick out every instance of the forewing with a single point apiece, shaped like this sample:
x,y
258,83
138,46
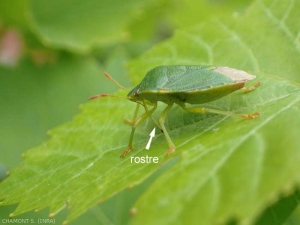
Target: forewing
x,y
182,78
196,78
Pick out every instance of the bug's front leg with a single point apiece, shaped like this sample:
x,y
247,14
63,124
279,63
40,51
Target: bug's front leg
x,y
131,122
136,123
162,119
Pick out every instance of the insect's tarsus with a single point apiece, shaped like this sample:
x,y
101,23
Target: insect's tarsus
x,y
251,88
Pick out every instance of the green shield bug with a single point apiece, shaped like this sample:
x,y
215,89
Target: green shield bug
x,y
180,85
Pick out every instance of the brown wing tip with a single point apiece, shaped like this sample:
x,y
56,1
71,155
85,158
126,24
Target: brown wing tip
x,y
234,74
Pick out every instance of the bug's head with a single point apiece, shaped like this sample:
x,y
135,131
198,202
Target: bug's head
x,y
133,95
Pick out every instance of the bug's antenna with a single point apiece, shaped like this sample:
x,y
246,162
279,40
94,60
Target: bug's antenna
x,y
107,95
113,80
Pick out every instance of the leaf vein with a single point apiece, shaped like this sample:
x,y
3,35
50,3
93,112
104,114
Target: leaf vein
x,y
287,12
276,21
200,41
242,43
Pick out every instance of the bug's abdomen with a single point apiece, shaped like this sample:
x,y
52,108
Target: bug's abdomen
x,y
193,96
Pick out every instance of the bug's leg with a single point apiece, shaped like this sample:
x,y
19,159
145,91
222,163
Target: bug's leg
x,y
136,123
227,113
162,119
131,122
251,88
154,121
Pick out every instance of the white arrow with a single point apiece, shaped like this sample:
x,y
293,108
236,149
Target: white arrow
x,y
152,134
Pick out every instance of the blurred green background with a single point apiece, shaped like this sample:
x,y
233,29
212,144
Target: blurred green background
x,y
52,57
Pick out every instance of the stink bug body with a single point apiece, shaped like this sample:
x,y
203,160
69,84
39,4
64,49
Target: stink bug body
x,y
180,85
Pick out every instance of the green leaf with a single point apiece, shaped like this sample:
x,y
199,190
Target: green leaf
x,y
228,169
192,11
114,211
80,25
36,99
14,13
81,159
279,212
295,217
233,169
249,42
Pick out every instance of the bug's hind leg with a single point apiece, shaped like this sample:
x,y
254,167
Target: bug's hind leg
x,y
136,123
251,88
227,113
162,119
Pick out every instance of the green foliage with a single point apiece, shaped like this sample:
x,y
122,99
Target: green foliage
x,y
247,163
193,11
88,23
53,93
224,170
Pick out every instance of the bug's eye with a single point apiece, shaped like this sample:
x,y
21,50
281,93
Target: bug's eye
x,y
136,94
